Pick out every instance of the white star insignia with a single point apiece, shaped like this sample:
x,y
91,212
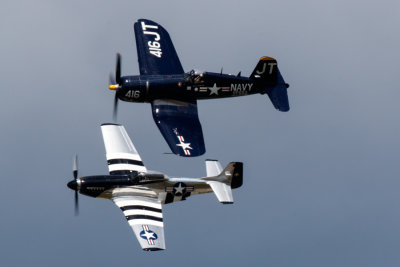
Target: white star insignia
x,y
214,89
182,144
179,189
148,235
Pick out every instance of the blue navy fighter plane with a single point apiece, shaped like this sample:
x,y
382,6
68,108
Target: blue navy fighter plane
x,y
140,193
173,93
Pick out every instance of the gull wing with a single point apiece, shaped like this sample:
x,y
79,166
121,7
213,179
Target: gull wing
x,y
180,126
144,215
122,157
156,53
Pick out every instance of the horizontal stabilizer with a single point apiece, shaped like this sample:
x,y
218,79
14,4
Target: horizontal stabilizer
x,y
278,94
223,191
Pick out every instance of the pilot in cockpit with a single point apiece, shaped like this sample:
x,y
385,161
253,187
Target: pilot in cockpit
x,y
195,76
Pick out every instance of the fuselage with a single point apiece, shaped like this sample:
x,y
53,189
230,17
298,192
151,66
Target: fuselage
x,y
154,185
189,86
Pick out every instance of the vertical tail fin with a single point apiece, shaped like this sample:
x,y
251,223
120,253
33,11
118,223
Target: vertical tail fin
x,y
266,71
213,167
268,75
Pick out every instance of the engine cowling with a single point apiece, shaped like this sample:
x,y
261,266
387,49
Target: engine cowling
x,y
132,89
147,88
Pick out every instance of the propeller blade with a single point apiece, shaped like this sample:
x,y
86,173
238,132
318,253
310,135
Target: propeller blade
x,y
76,203
118,69
115,109
74,183
111,79
75,167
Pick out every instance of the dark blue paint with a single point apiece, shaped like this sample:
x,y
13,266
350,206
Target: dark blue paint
x,y
149,64
162,78
180,120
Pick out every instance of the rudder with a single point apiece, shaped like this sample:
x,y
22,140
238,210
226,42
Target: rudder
x,y
234,173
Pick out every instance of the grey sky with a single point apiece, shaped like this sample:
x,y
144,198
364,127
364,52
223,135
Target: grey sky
x,y
321,182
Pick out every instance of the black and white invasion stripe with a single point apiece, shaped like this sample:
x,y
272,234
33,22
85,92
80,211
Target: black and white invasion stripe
x,y
141,210
125,162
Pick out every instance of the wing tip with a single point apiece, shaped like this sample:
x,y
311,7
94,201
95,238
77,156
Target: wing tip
x,y
153,249
110,123
190,153
146,21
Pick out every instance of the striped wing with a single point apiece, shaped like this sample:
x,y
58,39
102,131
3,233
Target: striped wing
x,y
121,154
144,215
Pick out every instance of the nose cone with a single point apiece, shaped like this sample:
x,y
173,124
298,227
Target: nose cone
x,y
73,185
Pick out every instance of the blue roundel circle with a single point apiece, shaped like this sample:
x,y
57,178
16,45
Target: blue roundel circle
x,y
148,235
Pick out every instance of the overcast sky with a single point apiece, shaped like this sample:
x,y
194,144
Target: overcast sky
x,y
321,182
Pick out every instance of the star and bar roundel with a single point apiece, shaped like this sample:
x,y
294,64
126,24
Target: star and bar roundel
x,y
214,90
179,189
185,146
148,234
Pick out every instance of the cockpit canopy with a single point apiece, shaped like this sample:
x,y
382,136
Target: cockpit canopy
x,y
144,177
195,76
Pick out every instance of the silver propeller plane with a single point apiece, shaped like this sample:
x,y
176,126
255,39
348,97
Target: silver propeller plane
x,y
140,193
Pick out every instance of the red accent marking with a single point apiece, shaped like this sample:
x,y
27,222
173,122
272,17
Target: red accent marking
x,y
181,138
